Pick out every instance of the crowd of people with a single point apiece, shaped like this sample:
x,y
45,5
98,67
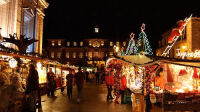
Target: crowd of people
x,y
112,80
32,89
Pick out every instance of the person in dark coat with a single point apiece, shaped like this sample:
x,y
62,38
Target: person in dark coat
x,y
148,102
80,78
32,87
87,76
69,78
51,82
97,77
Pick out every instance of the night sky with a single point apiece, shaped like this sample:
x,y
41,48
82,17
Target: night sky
x,y
75,19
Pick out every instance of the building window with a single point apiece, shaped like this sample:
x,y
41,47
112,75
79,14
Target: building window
x,y
96,44
111,53
59,43
117,43
52,43
74,54
111,43
58,54
96,54
81,43
90,54
28,21
102,54
124,43
52,54
81,55
102,43
75,44
68,43
67,54
90,43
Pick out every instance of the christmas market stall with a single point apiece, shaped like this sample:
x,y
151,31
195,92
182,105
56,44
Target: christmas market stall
x,y
174,85
171,84
14,64
157,83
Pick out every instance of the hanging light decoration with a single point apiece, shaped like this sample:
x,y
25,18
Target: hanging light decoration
x,y
12,63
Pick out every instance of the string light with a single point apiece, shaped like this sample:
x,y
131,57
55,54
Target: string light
x,y
131,45
145,46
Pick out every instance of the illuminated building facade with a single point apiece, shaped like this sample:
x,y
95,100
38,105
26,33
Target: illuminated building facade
x,y
87,52
24,17
187,47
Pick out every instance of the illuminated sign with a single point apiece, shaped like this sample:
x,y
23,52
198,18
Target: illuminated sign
x,y
195,54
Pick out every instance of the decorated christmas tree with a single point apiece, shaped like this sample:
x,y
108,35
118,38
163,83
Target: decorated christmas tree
x,y
143,43
131,45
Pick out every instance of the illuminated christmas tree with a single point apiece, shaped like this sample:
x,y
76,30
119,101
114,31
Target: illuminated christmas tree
x,y
131,45
143,43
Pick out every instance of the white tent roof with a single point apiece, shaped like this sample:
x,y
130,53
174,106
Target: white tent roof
x,y
137,59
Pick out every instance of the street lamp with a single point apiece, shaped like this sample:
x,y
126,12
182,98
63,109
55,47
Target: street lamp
x,y
116,49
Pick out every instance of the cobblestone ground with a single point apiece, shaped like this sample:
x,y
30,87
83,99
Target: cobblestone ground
x,y
93,100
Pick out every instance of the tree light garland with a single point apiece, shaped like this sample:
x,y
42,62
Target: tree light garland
x,y
143,43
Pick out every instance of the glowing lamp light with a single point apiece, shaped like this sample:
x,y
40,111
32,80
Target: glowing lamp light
x,y
117,49
184,47
39,65
12,63
96,30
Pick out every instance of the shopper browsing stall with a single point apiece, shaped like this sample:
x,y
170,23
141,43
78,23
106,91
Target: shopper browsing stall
x,y
51,82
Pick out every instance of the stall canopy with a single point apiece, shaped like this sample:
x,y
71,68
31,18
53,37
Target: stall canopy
x,y
137,59
143,60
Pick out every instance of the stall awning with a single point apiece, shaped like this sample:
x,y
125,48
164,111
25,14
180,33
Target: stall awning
x,y
137,59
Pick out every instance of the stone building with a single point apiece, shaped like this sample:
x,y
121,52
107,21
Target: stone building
x,y
90,52
24,17
188,46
